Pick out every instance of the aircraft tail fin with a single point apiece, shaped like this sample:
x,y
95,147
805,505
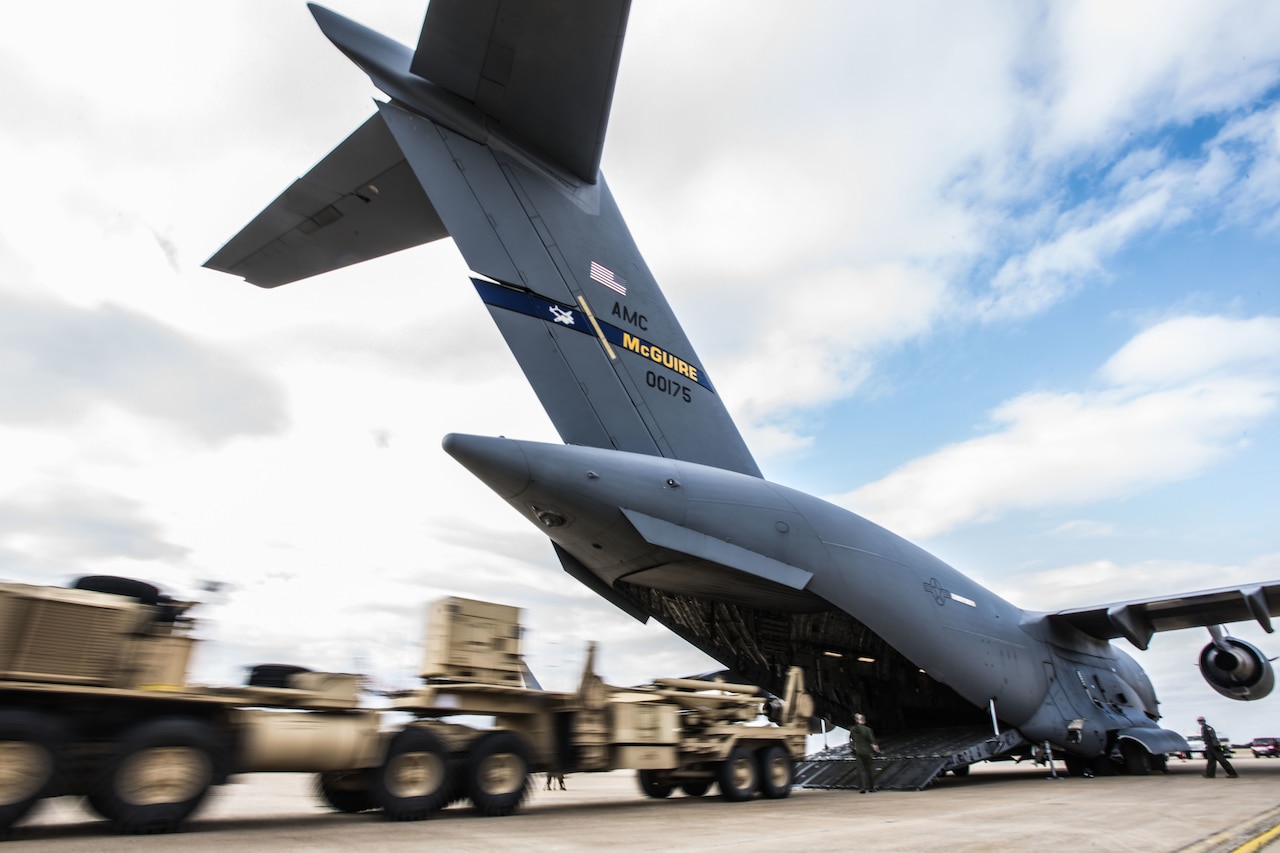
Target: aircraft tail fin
x,y
493,135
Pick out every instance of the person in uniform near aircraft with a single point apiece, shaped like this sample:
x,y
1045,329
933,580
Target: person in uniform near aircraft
x,y
864,743
1213,752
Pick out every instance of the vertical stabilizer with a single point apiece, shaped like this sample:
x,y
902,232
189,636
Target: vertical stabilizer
x,y
574,299
493,135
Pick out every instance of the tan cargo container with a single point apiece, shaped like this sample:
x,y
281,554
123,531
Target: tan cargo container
x,y
473,641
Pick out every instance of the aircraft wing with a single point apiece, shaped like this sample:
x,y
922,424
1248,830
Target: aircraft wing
x,y
359,202
1137,621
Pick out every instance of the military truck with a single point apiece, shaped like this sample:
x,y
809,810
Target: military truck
x,y
95,701
677,733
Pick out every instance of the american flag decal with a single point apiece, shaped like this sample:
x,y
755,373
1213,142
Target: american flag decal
x,y
608,278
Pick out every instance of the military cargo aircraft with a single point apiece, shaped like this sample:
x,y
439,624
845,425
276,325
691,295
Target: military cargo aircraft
x,y
492,135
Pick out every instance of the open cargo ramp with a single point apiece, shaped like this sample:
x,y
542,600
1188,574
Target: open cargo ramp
x,y
909,761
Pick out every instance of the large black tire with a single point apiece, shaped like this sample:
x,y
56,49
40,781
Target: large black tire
x,y
962,770
1075,764
695,787
498,773
738,775
128,587
776,772
159,775
32,752
651,786
416,779
1136,758
274,674
347,791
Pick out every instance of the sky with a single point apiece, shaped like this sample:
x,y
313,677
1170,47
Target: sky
x,y
1002,277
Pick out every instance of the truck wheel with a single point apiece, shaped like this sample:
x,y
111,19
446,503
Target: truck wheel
x,y
346,790
776,772
738,775
414,781
695,787
498,773
31,755
652,786
160,774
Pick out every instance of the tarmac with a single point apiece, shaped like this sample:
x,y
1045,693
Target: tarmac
x,y
998,807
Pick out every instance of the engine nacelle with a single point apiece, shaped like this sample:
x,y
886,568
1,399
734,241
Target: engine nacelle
x,y
1242,673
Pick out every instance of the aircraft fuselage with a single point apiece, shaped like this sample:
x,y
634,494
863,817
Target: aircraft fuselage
x,y
639,522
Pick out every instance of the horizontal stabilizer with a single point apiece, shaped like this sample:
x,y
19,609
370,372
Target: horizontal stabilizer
x,y
1137,621
360,202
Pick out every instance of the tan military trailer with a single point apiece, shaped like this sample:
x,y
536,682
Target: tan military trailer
x,y
95,701
684,733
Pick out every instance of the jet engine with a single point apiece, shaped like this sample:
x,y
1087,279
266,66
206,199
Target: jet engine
x,y
1236,669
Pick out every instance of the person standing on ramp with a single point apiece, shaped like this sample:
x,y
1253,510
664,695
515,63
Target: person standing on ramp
x,y
864,743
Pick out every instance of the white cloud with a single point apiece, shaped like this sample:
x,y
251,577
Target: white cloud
x,y
817,341
1048,449
1104,580
1126,68
1185,348
58,362
1083,528
1254,141
980,162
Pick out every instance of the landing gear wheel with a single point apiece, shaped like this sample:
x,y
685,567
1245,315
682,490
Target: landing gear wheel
x,y
1075,764
776,772
962,770
694,787
31,750
652,787
1135,758
161,773
498,773
415,781
347,791
738,775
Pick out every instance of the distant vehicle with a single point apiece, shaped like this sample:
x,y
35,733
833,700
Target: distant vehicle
x,y
1197,746
1265,747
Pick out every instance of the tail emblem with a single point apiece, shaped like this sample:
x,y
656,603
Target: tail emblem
x,y
608,278
562,315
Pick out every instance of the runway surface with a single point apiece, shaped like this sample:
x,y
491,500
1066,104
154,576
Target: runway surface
x,y
998,807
